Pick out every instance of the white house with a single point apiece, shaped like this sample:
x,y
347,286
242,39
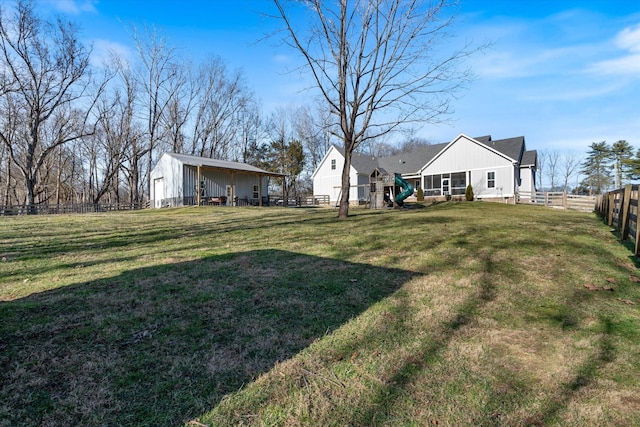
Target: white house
x,y
327,178
179,180
496,169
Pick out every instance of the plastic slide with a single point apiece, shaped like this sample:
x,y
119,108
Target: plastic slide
x,y
407,190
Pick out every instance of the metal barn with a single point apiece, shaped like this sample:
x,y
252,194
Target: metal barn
x,y
183,180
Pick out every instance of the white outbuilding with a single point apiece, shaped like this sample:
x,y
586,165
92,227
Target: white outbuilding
x,y
183,180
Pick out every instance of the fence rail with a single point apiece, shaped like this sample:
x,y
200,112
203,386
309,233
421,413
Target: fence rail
x,y
620,209
44,209
558,200
314,200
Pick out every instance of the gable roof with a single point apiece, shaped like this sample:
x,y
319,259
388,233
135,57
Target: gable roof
x,y
364,163
220,164
529,158
511,147
411,163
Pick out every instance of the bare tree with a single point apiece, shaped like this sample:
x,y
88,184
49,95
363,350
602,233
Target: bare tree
x,y
569,166
156,79
250,131
44,76
553,166
178,110
9,125
132,132
309,132
110,147
376,64
543,157
222,97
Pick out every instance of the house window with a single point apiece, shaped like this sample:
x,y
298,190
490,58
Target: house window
x,y
491,180
458,183
256,191
432,185
416,184
333,164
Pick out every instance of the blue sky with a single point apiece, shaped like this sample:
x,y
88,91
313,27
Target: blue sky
x,y
562,73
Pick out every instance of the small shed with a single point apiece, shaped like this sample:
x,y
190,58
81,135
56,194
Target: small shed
x,y
183,180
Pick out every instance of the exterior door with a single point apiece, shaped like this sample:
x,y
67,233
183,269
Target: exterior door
x,y
158,192
445,186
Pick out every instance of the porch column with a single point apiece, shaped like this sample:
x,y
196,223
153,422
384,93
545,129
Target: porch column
x,y
231,191
198,186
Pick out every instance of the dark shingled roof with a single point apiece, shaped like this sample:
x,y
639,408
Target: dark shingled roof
x,y
511,147
409,163
529,158
364,163
483,139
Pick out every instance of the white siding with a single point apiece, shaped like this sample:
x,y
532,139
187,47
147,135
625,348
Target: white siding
x,y
180,182
527,180
170,170
466,155
327,181
503,182
216,181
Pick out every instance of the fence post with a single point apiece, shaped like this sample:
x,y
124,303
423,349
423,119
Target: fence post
x,y
612,206
636,250
626,204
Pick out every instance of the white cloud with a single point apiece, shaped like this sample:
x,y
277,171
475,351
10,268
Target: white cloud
x,y
74,7
629,38
564,92
103,51
281,59
629,62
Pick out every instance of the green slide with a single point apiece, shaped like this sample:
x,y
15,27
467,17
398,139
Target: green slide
x,y
407,190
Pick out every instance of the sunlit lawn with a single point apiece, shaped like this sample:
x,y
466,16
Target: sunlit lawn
x,y
451,314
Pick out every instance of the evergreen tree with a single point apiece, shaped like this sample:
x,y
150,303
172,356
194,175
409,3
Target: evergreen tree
x,y
632,167
286,158
621,154
597,168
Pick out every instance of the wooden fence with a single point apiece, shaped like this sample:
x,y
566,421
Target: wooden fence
x,y
619,208
303,201
44,209
558,200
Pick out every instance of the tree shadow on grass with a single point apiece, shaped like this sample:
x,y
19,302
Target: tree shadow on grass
x,y
158,346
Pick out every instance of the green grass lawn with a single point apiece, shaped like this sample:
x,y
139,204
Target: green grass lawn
x,y
452,314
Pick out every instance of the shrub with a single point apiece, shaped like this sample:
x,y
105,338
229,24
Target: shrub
x,y
420,195
468,193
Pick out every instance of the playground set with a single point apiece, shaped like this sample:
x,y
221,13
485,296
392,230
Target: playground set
x,y
388,190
